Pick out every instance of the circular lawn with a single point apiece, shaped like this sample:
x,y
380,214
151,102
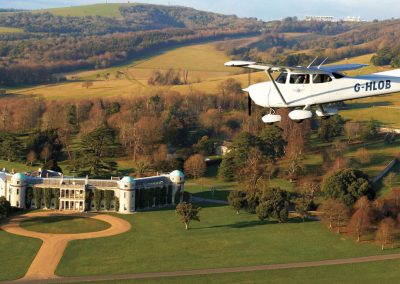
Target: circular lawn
x,y
64,225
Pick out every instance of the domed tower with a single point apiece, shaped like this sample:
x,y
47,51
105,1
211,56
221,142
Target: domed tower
x,y
127,195
17,190
178,180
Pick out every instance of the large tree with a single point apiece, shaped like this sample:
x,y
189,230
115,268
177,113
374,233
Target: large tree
x,y
347,185
334,213
97,147
195,166
187,213
360,221
273,203
385,234
237,200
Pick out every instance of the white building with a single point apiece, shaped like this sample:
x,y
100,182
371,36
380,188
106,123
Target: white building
x,y
320,18
125,195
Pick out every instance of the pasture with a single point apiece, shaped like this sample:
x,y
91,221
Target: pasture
x,y
8,30
110,10
158,242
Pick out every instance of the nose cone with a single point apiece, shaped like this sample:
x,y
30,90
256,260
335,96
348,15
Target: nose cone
x,y
259,93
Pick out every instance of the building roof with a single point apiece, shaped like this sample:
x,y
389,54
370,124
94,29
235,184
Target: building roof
x,y
19,176
128,179
177,173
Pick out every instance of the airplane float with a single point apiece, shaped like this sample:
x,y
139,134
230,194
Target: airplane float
x,y
301,88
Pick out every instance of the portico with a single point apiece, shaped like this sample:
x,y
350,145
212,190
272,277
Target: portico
x,y
72,198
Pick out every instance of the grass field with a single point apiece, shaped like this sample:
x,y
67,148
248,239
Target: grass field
x,y
104,10
7,30
64,225
367,273
158,242
17,167
204,62
16,254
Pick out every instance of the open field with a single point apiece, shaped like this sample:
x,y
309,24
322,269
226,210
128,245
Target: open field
x,y
17,167
110,10
204,62
368,273
64,225
7,30
158,242
16,254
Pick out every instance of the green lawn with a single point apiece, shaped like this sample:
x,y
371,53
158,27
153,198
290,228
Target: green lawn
x,y
16,166
104,10
16,255
64,225
158,242
375,272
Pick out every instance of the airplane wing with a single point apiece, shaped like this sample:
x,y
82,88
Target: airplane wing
x,y
310,70
342,67
272,68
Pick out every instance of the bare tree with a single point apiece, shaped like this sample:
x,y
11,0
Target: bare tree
x,y
334,213
385,234
360,221
31,157
195,166
363,156
351,129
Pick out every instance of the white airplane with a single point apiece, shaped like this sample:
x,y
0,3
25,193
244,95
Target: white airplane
x,y
303,87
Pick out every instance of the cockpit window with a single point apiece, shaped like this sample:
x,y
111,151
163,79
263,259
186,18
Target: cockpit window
x,y
299,79
282,78
338,75
321,78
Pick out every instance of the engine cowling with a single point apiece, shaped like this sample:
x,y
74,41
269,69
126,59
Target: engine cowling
x,y
300,115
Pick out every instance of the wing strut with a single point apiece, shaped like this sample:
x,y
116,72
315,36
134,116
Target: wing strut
x,y
269,73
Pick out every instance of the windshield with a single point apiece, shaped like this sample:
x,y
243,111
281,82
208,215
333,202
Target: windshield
x,y
282,78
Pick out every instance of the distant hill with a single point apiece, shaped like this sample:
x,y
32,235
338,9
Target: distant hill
x,y
37,44
110,18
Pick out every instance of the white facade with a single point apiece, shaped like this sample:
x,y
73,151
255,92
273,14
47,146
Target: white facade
x,y
78,194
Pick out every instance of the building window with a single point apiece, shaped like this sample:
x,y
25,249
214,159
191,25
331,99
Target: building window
x,y
17,191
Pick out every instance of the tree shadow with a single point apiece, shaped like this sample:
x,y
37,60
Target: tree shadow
x,y
256,223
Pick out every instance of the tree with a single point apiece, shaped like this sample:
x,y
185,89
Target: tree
x,y
273,142
87,84
237,200
352,130
360,221
5,207
363,156
227,168
274,203
347,185
31,157
96,146
302,207
188,213
253,170
295,167
386,232
46,153
205,146
334,213
330,128
195,166
369,130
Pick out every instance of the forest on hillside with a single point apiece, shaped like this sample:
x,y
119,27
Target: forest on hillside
x,y
336,41
52,44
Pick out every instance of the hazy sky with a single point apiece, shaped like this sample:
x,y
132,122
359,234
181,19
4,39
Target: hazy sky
x,y
263,9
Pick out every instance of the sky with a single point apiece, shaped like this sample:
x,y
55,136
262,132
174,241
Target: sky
x,y
262,9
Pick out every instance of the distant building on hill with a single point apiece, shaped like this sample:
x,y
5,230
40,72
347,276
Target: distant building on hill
x,y
51,190
320,19
331,19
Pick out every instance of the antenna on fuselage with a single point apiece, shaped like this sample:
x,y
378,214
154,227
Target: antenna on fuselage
x,y
322,63
312,62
